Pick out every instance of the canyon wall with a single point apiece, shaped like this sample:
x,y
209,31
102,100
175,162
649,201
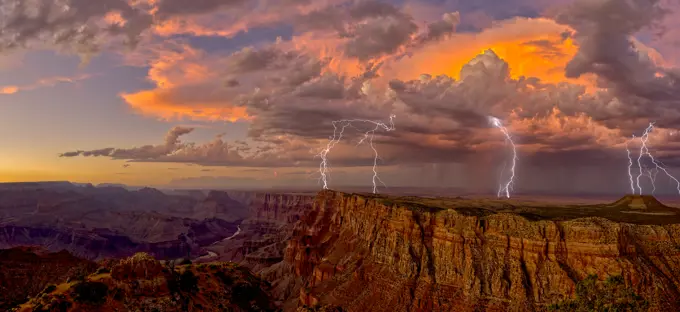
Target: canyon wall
x,y
263,235
368,254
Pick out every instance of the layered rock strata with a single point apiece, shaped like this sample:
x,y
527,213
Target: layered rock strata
x,y
368,254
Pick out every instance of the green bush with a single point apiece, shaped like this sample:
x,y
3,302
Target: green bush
x,y
90,292
612,295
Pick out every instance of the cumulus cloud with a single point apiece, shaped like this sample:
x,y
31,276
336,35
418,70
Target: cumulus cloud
x,y
441,118
281,151
603,30
81,25
87,27
379,36
170,145
442,28
190,83
571,90
444,120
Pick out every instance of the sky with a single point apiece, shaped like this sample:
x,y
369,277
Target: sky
x,y
243,94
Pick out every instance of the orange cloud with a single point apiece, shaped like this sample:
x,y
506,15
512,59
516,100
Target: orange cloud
x,y
157,103
9,90
531,47
171,69
45,82
191,27
114,18
328,46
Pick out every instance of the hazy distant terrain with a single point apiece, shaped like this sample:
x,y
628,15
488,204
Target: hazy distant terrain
x,y
97,222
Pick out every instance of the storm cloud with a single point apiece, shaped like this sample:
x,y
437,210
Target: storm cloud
x,y
572,87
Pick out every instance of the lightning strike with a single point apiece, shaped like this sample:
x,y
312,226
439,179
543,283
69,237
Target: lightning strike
x,y
658,165
630,167
507,186
339,127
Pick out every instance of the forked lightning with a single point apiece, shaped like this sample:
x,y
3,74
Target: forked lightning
x,y
658,165
507,186
338,131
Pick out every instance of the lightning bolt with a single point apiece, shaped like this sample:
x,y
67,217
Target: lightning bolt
x,y
505,188
339,127
658,165
630,167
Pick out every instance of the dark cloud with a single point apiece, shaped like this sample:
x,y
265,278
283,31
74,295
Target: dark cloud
x,y
75,24
170,145
249,59
442,28
86,27
214,153
603,31
372,29
168,8
292,95
439,119
379,36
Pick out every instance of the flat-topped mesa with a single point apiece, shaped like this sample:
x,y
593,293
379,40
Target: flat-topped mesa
x,y
639,202
443,254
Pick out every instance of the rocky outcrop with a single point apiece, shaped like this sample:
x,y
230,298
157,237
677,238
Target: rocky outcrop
x,y
141,283
141,266
366,253
26,271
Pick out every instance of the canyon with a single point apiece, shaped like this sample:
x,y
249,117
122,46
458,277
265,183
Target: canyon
x,y
112,222
366,252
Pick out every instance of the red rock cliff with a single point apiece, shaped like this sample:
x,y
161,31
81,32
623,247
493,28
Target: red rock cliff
x,y
365,254
280,207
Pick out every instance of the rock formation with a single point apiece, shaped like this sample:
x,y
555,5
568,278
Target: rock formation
x,y
366,253
26,271
141,283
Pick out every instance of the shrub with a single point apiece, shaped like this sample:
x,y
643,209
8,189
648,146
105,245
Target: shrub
x,y
227,280
103,270
90,292
186,282
610,295
49,289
